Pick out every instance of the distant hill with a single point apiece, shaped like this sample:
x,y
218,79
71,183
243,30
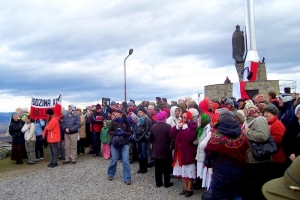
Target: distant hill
x,y
4,121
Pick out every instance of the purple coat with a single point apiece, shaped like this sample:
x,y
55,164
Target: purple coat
x,y
160,140
185,138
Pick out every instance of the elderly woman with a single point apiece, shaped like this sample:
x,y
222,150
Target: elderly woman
x,y
227,149
257,130
184,134
141,136
277,130
18,141
161,149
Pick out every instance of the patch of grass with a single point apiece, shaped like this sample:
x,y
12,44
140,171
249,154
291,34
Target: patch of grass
x,y
8,166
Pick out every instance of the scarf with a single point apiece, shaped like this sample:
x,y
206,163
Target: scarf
x,y
236,148
140,120
120,120
205,119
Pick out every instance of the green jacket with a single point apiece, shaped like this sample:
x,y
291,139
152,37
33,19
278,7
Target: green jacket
x,y
104,136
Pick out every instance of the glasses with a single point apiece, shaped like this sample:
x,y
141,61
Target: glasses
x,y
184,117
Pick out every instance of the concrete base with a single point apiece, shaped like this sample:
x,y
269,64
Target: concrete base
x,y
217,91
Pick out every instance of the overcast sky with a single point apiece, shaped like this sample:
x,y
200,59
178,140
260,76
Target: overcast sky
x,y
79,47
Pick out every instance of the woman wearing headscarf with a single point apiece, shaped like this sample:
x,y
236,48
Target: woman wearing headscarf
x,y
227,149
141,136
184,134
203,132
119,127
18,141
256,129
161,149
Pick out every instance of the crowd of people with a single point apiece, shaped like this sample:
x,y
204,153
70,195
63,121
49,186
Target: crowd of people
x,y
208,145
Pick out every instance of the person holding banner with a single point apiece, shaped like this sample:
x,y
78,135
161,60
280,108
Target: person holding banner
x,y
71,125
52,133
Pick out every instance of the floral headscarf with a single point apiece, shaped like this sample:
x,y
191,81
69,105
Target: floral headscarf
x,y
251,111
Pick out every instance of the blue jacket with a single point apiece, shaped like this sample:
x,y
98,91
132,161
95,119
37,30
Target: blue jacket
x,y
39,127
286,114
72,122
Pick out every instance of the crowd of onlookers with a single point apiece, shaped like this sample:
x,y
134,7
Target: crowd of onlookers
x,y
207,145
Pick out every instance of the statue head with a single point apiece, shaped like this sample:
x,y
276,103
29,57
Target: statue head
x,y
237,28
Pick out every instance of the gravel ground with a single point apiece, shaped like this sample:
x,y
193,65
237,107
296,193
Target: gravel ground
x,y
85,180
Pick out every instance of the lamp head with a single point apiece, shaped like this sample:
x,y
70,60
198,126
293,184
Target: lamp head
x,y
130,51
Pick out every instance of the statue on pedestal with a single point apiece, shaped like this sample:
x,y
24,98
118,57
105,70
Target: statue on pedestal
x,y
238,45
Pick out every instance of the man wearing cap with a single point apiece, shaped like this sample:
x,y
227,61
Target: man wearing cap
x,y
111,109
286,112
95,128
230,105
71,124
286,187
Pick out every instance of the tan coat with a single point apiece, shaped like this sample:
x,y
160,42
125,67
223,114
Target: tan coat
x,y
81,129
259,131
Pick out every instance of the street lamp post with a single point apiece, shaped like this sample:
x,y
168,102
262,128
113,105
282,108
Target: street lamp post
x,y
199,93
130,52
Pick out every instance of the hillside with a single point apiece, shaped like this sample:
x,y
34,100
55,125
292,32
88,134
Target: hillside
x,y
4,121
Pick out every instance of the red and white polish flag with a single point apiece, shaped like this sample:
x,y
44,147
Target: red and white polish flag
x,y
253,67
39,106
238,90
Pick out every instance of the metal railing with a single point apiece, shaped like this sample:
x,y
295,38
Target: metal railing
x,y
287,86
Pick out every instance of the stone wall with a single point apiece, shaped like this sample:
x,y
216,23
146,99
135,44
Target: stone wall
x,y
217,91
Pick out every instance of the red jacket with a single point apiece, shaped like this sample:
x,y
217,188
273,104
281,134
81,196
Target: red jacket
x,y
96,123
185,138
52,130
277,131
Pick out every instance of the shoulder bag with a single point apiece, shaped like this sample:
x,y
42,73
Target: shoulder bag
x,y
263,151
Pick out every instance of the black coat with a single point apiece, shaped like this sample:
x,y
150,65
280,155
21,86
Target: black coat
x,y
291,139
16,133
142,132
114,125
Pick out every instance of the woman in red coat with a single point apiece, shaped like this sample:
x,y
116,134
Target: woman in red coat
x,y
277,130
52,132
184,134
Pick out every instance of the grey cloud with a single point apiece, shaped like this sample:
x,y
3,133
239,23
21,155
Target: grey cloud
x,y
53,46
